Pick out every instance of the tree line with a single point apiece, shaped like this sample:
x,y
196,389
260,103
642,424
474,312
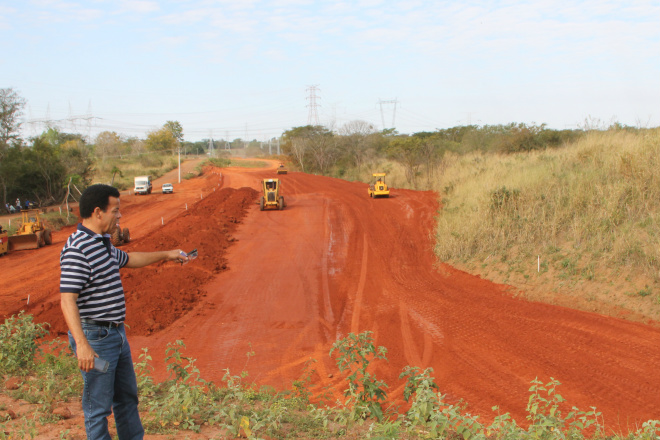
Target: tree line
x,y
317,149
41,168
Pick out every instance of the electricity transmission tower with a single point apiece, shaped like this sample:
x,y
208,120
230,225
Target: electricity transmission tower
x,y
382,114
313,115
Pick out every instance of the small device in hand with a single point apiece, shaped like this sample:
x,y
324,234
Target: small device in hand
x,y
191,256
100,365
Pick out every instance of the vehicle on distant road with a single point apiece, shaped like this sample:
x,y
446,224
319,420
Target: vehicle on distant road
x,y
272,195
378,188
143,185
168,188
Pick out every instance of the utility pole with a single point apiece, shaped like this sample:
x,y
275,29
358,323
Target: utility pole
x,y
313,115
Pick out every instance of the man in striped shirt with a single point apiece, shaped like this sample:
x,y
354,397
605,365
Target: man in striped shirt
x,y
92,300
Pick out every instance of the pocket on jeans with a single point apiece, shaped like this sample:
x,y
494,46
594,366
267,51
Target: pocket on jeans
x,y
96,333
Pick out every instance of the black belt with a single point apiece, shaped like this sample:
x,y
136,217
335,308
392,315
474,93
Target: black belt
x,y
101,323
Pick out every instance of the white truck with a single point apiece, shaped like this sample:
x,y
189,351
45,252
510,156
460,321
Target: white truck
x,y
142,185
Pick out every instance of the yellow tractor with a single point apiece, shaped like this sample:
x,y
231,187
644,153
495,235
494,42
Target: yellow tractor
x,y
282,169
272,197
32,233
4,243
378,187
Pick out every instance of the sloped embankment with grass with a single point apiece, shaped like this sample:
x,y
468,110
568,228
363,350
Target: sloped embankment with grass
x,y
577,225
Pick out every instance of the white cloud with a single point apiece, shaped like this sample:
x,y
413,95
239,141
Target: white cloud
x,y
139,6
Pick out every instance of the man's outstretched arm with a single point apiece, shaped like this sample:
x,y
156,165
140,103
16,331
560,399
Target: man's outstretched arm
x,y
141,259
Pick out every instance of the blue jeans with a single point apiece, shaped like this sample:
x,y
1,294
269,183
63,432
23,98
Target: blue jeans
x,y
113,391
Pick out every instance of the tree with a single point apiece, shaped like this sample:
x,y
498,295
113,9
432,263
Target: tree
x,y
431,149
108,143
11,110
77,159
314,147
176,129
161,140
115,171
133,145
408,152
357,140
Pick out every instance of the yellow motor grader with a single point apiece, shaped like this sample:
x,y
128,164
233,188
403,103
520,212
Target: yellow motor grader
x,y
4,243
378,188
271,197
32,233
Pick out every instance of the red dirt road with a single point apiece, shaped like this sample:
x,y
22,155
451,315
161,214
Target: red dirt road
x,y
287,284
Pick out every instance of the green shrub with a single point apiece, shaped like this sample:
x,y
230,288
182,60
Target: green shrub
x,y
19,346
365,393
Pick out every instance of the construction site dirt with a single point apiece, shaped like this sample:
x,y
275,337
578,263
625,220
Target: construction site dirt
x,y
285,285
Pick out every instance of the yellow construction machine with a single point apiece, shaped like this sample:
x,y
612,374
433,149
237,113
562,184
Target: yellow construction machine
x,y
272,198
32,233
4,243
282,169
378,187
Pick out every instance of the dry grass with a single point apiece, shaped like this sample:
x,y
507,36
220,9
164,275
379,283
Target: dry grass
x,y
590,211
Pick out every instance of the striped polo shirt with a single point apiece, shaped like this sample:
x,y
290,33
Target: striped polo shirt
x,y
90,267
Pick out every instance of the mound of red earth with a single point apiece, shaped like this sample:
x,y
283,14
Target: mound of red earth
x,y
158,295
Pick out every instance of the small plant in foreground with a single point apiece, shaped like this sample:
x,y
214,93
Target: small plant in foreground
x,y
184,400
19,335
424,389
365,393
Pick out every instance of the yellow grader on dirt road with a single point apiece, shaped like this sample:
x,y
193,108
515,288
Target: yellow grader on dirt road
x,y
378,187
272,197
32,233
4,243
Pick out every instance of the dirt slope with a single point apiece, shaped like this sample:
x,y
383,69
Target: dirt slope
x,y
287,284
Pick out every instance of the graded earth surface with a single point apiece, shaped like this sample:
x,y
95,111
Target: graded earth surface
x,y
283,286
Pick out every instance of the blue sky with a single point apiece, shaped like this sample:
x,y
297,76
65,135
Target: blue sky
x,y
226,68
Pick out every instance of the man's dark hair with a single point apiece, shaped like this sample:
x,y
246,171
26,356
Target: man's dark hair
x,y
96,196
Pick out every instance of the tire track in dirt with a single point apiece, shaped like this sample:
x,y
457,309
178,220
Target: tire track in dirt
x,y
357,299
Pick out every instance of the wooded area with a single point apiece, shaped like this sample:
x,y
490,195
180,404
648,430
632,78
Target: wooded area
x,y
41,168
